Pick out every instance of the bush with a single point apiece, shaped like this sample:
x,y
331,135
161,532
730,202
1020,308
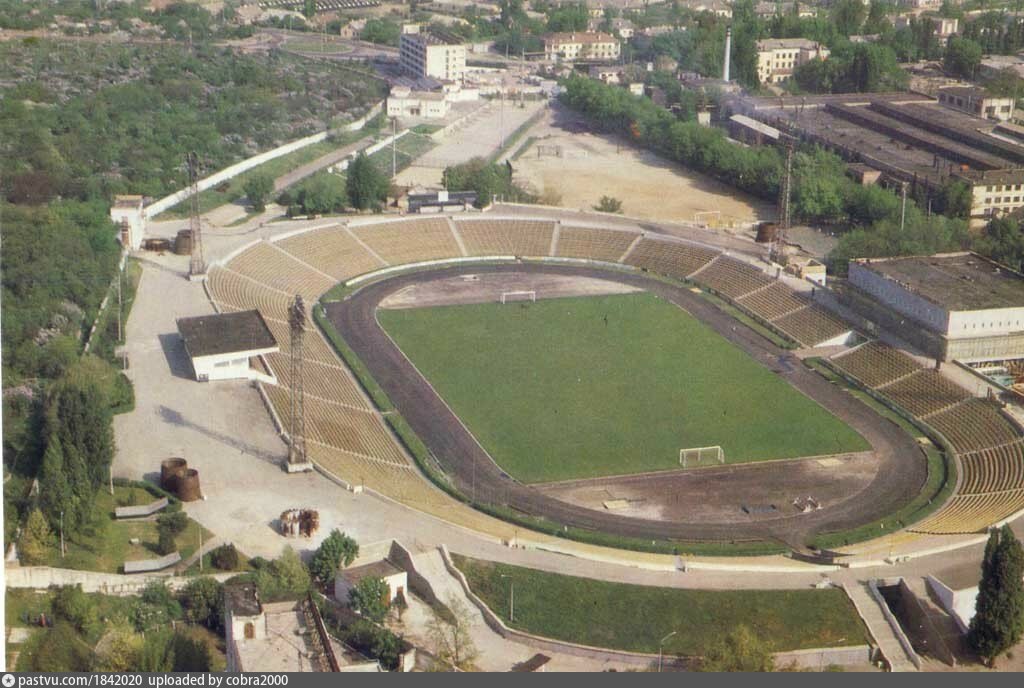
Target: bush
x,y
336,550
225,558
78,609
203,602
174,523
165,543
376,642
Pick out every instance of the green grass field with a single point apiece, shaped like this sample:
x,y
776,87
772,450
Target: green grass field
x,y
635,617
584,387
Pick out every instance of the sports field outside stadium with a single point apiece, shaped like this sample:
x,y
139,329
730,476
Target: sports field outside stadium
x,y
573,388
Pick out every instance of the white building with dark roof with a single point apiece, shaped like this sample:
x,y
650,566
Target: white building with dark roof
x,y
229,346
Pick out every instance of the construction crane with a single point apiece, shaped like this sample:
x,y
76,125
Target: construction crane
x,y
197,264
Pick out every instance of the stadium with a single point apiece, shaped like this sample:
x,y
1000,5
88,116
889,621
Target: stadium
x,y
532,376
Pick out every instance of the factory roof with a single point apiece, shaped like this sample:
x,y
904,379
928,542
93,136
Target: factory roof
x,y
224,333
954,281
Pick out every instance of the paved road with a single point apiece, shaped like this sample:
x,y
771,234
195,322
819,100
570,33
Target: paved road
x,y
901,473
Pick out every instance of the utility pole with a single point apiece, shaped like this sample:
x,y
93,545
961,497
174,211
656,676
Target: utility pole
x,y
661,645
61,534
903,206
394,151
511,597
200,550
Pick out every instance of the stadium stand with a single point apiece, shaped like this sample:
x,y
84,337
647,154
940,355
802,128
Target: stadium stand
x,y
347,438
772,302
233,292
331,250
972,424
812,325
410,242
330,383
732,278
280,270
876,364
487,237
989,447
670,258
924,393
593,244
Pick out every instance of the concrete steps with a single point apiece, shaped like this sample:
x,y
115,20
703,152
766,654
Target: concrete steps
x,y
878,626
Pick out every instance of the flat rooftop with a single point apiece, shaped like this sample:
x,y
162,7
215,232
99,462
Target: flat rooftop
x,y
225,333
955,281
375,569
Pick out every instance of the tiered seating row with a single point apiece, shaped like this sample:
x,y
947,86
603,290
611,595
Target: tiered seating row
x,y
925,393
594,244
772,302
506,237
410,242
348,429
972,425
280,270
314,347
876,364
233,292
331,250
812,325
733,278
973,513
671,258
993,470
326,382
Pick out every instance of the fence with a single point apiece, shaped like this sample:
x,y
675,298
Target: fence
x,y
231,171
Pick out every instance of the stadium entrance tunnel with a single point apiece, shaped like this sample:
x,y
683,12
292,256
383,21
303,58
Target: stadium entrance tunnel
x,y
787,501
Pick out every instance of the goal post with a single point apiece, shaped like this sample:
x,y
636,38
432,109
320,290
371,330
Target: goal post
x,y
697,456
518,296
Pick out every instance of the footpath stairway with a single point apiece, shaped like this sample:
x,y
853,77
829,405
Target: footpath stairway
x,y
878,626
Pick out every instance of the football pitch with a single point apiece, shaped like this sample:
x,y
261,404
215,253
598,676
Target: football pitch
x,y
585,387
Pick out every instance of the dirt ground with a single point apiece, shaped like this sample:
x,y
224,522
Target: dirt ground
x,y
650,187
744,493
488,288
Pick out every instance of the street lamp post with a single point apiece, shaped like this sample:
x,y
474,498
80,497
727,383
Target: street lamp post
x,y
511,598
61,534
661,645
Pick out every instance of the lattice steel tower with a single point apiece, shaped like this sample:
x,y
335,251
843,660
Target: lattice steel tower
x,y
297,426
197,263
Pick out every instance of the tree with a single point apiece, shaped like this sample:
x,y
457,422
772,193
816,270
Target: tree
x,y
367,186
165,542
453,642
848,16
203,603
1003,240
962,58
375,641
55,494
369,597
739,650
337,550
78,609
36,540
225,557
324,192
608,204
258,188
119,650
175,522
284,578
999,617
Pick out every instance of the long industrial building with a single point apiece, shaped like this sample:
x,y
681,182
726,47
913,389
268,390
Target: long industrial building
x,y
959,306
910,139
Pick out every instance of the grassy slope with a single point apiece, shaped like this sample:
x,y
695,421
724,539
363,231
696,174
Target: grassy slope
x,y
635,618
552,392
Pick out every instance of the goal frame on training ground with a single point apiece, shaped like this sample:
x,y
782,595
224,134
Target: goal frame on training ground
x,y
531,293
714,450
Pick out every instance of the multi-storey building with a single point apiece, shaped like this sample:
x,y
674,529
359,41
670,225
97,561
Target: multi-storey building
x,y
588,46
431,54
777,58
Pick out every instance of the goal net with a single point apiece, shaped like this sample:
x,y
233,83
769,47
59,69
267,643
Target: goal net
x,y
708,218
518,296
697,456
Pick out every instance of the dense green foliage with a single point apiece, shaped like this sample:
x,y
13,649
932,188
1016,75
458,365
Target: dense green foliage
x,y
998,621
225,557
861,68
369,598
365,184
337,550
490,181
374,641
281,579
258,188
635,618
202,600
571,405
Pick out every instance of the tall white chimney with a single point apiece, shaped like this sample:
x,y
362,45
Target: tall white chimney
x,y
728,50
